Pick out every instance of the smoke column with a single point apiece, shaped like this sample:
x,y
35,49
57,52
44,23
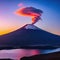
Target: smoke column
x,y
32,12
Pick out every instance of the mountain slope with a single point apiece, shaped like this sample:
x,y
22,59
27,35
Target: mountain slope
x,y
30,37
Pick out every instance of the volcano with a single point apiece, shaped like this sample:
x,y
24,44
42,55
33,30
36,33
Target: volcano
x,y
29,36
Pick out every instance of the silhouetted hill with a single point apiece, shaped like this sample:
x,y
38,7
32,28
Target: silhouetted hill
x,y
28,37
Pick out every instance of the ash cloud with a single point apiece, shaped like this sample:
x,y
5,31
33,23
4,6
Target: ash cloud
x,y
32,12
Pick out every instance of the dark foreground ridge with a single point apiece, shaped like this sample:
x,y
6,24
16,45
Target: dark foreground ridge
x,y
29,38
50,56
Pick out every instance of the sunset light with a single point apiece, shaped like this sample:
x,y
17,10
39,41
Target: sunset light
x,y
10,21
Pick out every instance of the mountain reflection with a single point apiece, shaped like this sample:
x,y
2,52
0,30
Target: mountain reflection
x,y
18,53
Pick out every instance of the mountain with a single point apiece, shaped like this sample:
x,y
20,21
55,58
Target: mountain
x,y
30,36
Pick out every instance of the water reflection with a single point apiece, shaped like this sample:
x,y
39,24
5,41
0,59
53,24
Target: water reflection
x,y
16,54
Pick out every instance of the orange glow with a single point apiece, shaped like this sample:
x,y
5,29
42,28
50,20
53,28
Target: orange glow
x,y
7,30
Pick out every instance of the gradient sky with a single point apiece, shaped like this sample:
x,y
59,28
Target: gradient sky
x,y
10,21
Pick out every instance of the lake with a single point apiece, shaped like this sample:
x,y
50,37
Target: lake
x,y
16,54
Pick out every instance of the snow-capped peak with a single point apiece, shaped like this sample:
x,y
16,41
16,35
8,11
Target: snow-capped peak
x,y
31,26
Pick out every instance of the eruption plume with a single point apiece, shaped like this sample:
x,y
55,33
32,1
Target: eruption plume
x,y
30,11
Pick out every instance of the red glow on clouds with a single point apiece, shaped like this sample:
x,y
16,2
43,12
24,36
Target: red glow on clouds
x,y
30,11
22,13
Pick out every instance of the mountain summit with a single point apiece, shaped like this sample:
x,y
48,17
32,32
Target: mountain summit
x,y
30,36
30,26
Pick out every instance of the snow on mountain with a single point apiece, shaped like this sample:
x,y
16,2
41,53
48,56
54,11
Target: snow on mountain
x,y
31,26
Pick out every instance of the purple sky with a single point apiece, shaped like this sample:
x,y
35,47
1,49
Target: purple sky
x,y
10,21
